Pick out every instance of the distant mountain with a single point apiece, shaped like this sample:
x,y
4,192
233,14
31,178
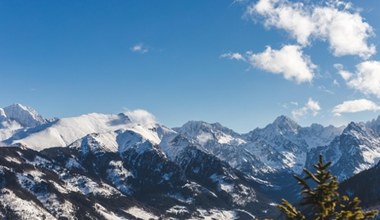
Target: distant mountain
x,y
101,166
355,150
281,145
25,116
268,155
203,132
17,117
63,132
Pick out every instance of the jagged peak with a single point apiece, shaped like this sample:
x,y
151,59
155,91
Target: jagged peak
x,y
18,106
194,127
374,123
283,122
319,127
131,139
354,127
377,119
24,115
200,124
2,113
195,124
88,143
284,119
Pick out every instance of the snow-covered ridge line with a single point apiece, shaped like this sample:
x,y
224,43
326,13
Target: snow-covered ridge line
x,y
136,154
25,126
279,146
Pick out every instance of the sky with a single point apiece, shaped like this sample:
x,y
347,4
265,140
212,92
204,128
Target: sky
x,y
238,62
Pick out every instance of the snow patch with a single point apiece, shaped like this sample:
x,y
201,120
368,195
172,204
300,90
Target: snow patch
x,y
141,213
118,176
178,210
12,160
107,214
86,186
213,214
28,210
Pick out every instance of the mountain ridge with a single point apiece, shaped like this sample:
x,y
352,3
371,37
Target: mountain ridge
x,y
185,165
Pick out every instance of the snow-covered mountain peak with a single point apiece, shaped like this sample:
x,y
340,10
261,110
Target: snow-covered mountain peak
x,y
204,132
284,123
281,127
94,143
130,139
195,126
354,129
67,130
24,115
2,114
7,127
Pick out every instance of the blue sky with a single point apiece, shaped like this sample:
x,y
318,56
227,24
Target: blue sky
x,y
240,63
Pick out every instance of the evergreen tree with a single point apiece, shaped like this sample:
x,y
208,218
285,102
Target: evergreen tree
x,y
323,201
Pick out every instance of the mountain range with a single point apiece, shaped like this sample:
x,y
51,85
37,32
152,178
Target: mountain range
x,y
127,166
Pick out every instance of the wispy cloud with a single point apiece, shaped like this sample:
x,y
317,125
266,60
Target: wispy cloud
x,y
352,106
335,22
311,107
294,103
336,83
287,105
233,56
324,89
239,1
139,48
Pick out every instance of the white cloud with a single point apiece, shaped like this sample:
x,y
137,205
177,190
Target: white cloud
x,y
311,107
139,48
286,105
141,116
324,89
289,61
233,56
353,106
345,30
288,16
239,1
366,78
